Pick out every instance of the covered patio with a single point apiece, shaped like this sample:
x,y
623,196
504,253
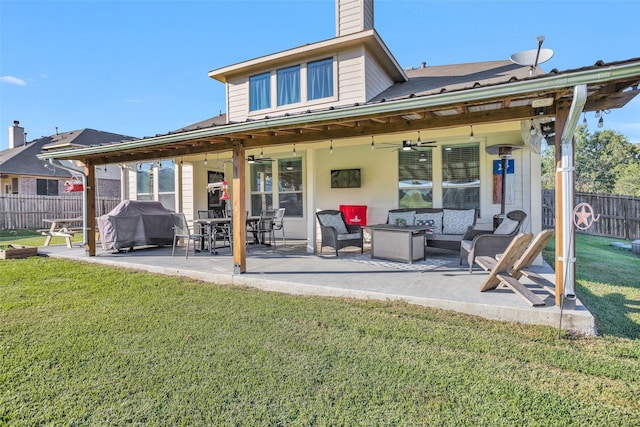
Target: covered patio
x,y
438,282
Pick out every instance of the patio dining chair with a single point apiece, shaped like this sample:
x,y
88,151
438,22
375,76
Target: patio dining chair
x,y
336,233
181,231
278,223
266,226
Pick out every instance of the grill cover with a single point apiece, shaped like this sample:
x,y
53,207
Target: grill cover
x,y
136,223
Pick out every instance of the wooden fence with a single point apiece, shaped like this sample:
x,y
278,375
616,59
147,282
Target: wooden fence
x,y
24,212
619,215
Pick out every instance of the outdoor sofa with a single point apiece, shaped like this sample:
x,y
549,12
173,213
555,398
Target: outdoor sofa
x,y
448,225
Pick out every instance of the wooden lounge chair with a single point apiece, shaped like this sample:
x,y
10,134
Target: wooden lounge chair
x,y
523,264
499,269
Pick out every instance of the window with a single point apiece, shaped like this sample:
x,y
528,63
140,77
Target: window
x,y
415,175
320,79
288,85
290,186
167,184
461,176
145,181
47,187
261,187
260,92
14,185
288,192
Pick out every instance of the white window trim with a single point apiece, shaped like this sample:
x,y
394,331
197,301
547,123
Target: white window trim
x,y
273,81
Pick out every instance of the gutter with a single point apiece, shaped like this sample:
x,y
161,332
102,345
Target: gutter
x,y
538,84
566,170
56,163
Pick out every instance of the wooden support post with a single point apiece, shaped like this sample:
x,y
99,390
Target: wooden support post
x,y
239,211
562,113
90,208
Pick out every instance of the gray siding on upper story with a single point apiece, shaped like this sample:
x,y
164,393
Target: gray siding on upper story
x,y
377,80
238,99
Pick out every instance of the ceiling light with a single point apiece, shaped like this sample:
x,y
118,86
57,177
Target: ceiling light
x,y
294,151
373,145
471,136
331,147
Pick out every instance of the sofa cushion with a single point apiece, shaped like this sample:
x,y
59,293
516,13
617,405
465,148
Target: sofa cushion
x,y
409,217
466,245
507,226
435,218
334,220
457,221
424,220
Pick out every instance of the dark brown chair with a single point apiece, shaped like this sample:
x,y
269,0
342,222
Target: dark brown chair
x,y
477,243
336,233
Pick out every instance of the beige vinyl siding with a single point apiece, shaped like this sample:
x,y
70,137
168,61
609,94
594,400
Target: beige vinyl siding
x,y
188,196
377,79
351,77
353,16
238,99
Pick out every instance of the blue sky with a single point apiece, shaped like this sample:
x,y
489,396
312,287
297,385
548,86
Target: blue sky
x,y
140,68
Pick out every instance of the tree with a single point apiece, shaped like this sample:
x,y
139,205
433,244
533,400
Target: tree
x,y
605,162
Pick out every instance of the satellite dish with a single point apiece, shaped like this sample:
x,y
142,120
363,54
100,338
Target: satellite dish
x,y
529,57
532,58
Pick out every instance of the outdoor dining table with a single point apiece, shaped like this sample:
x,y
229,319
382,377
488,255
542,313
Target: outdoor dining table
x,y
212,223
61,227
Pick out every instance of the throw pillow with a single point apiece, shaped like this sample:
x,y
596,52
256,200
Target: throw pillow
x,y
507,226
333,220
457,221
435,218
422,219
409,217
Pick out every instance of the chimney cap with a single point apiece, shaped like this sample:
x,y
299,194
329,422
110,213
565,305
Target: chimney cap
x,y
16,122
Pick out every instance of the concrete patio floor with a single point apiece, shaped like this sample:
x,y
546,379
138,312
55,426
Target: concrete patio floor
x,y
440,282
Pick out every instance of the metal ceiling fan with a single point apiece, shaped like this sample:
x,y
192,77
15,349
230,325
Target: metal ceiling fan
x,y
408,145
251,159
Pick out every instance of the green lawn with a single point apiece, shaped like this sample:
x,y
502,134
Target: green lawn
x,y
82,344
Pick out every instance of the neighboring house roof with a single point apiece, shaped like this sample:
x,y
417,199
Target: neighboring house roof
x,y
23,160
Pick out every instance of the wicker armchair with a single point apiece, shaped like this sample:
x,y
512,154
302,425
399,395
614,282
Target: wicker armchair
x,y
477,243
336,233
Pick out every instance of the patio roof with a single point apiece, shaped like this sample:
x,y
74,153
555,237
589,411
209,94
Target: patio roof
x,y
609,86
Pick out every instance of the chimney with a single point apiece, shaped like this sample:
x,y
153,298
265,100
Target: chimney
x,y
16,135
353,16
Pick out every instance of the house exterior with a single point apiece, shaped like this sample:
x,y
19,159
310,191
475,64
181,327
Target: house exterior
x,y
423,136
356,68
23,173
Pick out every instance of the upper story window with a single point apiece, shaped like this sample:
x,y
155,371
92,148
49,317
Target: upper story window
x,y
288,85
260,91
320,79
